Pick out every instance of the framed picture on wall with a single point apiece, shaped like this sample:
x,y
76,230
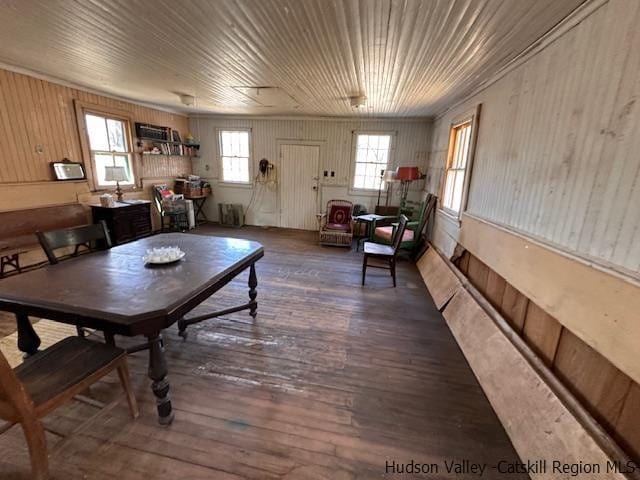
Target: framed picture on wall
x,y
68,170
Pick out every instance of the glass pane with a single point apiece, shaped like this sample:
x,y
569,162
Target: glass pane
x,y
235,169
363,141
234,143
123,161
361,169
385,142
465,150
97,131
457,190
358,181
102,161
105,160
448,190
117,142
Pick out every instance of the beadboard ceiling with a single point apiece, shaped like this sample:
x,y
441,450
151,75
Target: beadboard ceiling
x,y
409,58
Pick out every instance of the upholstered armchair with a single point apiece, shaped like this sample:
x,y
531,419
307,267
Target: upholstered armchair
x,y
336,224
385,228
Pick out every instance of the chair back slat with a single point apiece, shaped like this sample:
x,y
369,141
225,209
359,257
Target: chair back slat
x,y
73,237
397,239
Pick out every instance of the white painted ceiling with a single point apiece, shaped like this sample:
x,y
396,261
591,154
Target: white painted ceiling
x,y
409,58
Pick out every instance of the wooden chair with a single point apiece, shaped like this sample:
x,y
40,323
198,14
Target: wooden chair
x,y
89,236
53,377
386,253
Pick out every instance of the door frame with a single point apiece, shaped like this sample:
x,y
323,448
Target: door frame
x,y
321,144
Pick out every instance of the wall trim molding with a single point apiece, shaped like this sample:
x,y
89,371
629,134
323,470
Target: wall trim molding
x,y
595,263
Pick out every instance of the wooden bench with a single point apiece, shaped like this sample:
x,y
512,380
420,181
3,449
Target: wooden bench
x,y
18,229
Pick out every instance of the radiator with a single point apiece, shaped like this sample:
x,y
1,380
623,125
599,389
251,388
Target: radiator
x,y
231,214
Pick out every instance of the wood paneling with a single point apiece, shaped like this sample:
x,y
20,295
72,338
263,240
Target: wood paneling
x,y
556,156
542,332
538,423
597,306
514,307
335,136
610,395
495,289
628,425
38,126
592,378
408,58
478,273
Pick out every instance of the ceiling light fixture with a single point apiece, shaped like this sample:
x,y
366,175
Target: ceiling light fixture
x,y
187,100
358,101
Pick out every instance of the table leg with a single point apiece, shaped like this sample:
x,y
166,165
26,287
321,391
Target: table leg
x,y
158,375
253,293
28,339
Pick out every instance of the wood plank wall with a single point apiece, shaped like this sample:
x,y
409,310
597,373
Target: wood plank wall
x,y
610,395
38,126
556,156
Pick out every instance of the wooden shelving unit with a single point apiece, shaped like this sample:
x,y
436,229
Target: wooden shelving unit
x,y
164,140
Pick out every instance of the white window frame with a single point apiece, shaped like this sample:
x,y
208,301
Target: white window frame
x,y
472,118
354,153
128,151
219,132
83,108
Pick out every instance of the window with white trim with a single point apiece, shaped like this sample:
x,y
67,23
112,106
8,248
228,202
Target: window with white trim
x,y
372,152
457,162
109,146
235,155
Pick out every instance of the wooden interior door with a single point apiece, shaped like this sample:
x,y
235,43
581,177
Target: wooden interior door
x,y
299,186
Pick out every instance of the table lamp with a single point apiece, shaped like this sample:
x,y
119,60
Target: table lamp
x,y
116,174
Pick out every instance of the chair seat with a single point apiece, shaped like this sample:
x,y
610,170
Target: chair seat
x,y
371,248
386,233
63,365
342,227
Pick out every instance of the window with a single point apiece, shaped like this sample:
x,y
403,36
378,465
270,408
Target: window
x,y
109,146
371,158
234,155
457,162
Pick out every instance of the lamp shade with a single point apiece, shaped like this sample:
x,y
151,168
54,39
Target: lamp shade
x,y
389,176
408,174
115,174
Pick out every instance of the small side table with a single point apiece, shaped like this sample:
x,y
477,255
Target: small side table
x,y
198,203
368,219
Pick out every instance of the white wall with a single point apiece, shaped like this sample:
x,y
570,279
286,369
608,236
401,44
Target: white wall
x,y
412,143
558,143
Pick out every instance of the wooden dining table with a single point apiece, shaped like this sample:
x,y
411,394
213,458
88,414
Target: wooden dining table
x,y
115,292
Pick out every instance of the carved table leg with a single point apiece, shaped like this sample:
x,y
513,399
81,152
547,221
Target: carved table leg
x,y
158,374
28,339
253,293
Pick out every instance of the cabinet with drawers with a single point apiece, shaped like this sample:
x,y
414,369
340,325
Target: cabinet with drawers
x,y
126,221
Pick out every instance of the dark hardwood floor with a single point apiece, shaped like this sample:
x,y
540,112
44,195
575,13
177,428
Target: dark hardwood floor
x,y
331,381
